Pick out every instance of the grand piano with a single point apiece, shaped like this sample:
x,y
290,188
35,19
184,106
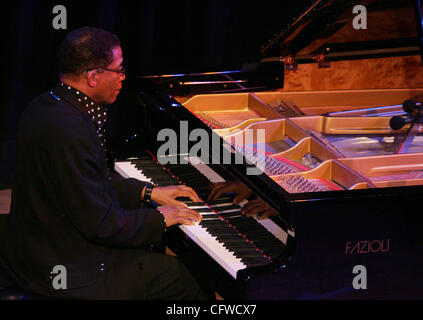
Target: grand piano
x,y
326,129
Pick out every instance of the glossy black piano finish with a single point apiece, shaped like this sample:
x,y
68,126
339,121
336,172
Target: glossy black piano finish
x,y
342,237
334,232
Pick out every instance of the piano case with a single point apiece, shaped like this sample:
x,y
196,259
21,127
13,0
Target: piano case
x,y
348,185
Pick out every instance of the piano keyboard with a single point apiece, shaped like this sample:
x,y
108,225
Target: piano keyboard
x,y
235,242
196,174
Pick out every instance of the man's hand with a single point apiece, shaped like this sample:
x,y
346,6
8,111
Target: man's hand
x,y
165,196
256,207
179,215
259,208
219,188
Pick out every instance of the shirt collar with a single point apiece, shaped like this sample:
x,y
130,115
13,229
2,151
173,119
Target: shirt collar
x,y
97,112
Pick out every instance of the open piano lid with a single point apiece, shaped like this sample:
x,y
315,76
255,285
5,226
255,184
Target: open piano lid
x,y
335,30
322,33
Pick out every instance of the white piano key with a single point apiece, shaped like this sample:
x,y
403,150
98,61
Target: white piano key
x,y
198,207
128,170
122,168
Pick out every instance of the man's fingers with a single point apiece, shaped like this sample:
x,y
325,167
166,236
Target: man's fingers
x,y
217,189
188,192
253,207
258,207
183,193
214,191
191,214
188,222
179,215
167,195
266,214
240,197
214,194
173,202
188,216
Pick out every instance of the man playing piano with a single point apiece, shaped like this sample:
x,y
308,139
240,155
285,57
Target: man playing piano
x,y
68,210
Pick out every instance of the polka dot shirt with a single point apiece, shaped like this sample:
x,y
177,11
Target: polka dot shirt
x,y
97,112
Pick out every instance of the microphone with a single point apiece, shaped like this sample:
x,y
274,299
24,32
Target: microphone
x,y
397,123
411,107
414,115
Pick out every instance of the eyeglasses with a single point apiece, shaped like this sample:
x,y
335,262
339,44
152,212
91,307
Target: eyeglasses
x,y
121,71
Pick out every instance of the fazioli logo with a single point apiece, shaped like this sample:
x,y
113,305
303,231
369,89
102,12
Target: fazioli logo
x,y
366,246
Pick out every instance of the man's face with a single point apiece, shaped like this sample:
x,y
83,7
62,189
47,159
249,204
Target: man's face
x,y
109,82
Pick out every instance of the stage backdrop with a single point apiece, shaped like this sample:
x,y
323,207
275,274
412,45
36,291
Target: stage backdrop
x,y
157,37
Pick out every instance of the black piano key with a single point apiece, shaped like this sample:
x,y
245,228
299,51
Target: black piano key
x,y
231,239
249,255
189,202
273,252
224,208
254,260
203,210
268,244
246,228
208,217
240,246
256,263
251,232
161,178
144,168
213,229
145,163
215,223
218,231
234,243
264,240
268,241
230,215
221,200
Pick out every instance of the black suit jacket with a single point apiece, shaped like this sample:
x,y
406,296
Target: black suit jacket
x,y
66,211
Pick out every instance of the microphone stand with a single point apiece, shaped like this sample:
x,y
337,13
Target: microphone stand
x,y
416,127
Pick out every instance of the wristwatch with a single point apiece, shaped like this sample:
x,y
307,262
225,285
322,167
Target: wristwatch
x,y
147,192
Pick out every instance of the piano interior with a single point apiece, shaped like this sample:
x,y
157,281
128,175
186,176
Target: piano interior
x,y
223,111
316,151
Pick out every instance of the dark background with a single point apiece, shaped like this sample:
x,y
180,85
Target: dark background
x,y
157,37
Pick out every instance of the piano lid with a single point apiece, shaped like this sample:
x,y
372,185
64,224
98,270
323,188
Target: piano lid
x,y
349,29
327,30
